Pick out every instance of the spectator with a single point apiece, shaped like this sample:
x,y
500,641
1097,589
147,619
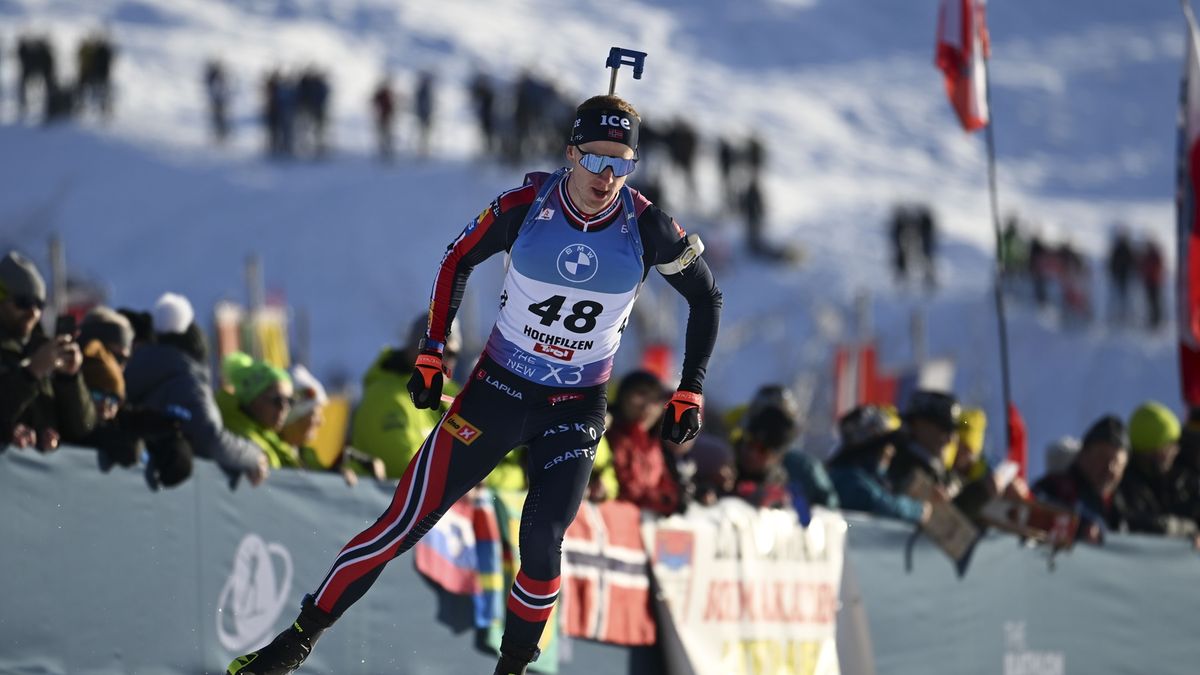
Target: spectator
x,y
143,327
1153,272
386,424
715,470
1185,474
1061,453
1041,266
258,406
859,467
304,419
967,462
1013,249
762,478
1089,485
925,440
216,89
483,96
644,472
383,110
424,107
1146,487
94,60
1122,263
807,479
111,329
172,373
120,429
43,398
305,414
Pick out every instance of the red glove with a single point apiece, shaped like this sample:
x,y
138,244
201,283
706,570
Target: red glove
x,y
681,420
425,384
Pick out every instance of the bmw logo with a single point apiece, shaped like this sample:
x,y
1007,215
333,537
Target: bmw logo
x,y
577,263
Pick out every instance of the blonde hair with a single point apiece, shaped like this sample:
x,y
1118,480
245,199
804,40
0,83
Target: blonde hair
x,y
608,102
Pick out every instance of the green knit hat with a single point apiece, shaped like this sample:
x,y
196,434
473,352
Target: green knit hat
x,y
250,377
1152,426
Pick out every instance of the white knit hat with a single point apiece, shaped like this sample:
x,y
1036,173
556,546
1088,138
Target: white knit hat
x,y
308,393
172,313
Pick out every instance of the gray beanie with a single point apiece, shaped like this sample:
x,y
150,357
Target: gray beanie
x,y
19,278
107,326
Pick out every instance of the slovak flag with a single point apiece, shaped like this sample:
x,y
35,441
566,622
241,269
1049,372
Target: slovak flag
x,y
1188,239
962,50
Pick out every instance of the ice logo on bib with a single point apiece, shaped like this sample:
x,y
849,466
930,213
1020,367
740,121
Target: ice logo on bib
x,y
577,263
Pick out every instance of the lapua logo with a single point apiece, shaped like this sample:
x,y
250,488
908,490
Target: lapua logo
x,y
614,121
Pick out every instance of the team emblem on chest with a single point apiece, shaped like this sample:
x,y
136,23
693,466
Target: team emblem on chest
x,y
577,263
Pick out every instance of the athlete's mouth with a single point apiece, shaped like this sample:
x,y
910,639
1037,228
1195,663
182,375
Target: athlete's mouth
x,y
600,194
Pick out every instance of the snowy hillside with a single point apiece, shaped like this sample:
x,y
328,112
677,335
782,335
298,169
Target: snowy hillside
x,y
843,90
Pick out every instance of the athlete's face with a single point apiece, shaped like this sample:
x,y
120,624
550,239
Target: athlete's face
x,y
594,191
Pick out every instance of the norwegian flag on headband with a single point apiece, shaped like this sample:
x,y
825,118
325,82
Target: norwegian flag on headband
x,y
1188,186
962,49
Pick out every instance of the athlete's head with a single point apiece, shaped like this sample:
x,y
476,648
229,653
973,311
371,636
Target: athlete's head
x,y
601,151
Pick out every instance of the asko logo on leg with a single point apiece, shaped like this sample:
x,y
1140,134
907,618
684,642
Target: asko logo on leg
x,y
461,429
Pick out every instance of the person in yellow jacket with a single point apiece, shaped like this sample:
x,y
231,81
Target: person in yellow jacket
x,y
386,424
257,407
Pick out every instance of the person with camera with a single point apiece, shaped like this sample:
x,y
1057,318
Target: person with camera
x,y
43,400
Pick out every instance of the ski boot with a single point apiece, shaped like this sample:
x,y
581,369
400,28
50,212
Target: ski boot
x,y
514,660
288,650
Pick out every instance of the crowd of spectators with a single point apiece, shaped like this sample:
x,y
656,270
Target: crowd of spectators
x,y
1058,276
136,386
42,85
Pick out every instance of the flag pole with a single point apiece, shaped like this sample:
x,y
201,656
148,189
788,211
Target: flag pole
x,y
997,285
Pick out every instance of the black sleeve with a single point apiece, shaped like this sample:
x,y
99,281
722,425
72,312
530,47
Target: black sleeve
x,y
493,230
663,241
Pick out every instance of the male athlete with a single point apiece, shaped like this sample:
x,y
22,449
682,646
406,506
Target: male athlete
x,y
580,244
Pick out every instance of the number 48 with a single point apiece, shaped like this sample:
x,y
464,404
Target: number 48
x,y
582,318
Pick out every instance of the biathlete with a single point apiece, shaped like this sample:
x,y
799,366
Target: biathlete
x,y
580,245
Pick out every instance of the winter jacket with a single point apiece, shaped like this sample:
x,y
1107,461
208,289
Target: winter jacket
x,y
386,424
280,453
1152,502
159,375
1071,489
860,490
59,402
911,457
813,479
643,475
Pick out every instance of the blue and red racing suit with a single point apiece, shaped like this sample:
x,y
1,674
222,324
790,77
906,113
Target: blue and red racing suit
x,y
568,292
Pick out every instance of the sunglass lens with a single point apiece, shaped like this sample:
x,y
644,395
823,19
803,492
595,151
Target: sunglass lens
x,y
598,163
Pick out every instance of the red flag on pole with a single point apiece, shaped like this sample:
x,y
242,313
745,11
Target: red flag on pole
x,y
1018,446
962,51
1188,238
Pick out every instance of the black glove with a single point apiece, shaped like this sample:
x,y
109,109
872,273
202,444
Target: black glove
x,y
425,384
681,421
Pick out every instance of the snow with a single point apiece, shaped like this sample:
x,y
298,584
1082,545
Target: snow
x,y
843,90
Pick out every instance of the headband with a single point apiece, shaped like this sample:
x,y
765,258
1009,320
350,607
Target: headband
x,y
605,125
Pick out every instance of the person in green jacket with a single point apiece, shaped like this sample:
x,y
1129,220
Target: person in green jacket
x,y
386,424
258,406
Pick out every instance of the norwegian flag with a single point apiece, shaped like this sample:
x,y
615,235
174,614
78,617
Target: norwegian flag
x,y
962,51
1188,239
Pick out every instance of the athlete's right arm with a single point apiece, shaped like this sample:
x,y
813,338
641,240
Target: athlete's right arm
x,y
493,230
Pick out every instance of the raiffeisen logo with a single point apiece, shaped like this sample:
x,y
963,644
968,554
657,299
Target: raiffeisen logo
x,y
254,595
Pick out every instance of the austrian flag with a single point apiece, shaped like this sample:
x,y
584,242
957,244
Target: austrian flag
x,y
962,51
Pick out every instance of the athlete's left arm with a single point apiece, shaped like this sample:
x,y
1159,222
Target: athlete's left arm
x,y
669,249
